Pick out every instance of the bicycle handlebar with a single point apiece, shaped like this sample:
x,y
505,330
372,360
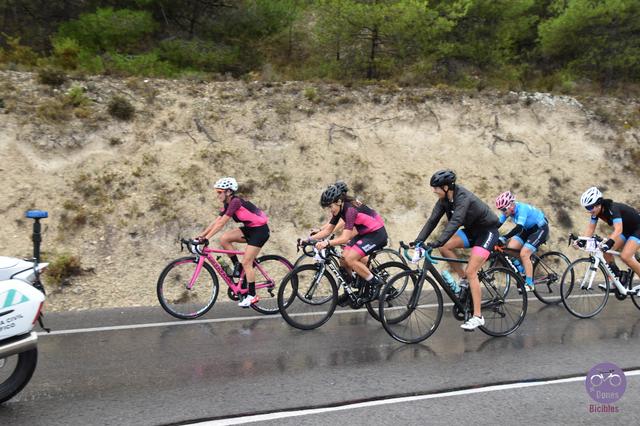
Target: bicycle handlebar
x,y
426,254
193,245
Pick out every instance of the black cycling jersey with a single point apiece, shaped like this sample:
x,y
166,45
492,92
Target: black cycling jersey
x,y
613,212
465,210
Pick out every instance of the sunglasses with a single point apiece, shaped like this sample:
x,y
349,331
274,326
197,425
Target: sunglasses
x,y
591,207
218,191
504,209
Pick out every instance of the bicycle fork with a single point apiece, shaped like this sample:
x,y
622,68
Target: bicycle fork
x,y
196,274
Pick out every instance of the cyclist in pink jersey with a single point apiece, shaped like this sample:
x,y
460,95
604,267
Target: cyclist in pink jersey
x,y
254,232
364,233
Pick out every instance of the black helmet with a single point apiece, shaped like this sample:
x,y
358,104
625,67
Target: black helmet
x,y
442,178
330,195
342,186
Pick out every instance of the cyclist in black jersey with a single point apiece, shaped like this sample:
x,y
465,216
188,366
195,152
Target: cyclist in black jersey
x,y
471,224
626,227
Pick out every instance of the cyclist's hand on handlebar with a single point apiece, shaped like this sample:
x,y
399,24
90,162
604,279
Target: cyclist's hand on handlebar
x,y
320,245
607,245
416,244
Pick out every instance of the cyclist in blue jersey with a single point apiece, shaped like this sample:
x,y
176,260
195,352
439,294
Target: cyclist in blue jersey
x,y
626,227
531,230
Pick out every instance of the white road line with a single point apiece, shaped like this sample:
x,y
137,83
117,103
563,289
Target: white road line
x,y
298,413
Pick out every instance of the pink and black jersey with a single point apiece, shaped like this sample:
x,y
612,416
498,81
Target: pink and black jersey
x,y
244,211
365,220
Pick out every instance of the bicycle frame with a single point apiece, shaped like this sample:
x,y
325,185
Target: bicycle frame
x,y
599,262
207,254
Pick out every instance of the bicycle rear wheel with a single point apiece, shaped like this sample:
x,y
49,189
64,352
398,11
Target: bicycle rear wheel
x,y
389,255
634,283
547,273
503,306
581,289
275,269
386,271
414,314
174,295
307,298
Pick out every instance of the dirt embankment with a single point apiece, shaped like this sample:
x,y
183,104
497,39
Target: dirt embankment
x,y
119,193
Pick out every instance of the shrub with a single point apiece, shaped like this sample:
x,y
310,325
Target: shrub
x,y
51,76
63,268
75,97
199,54
17,53
121,108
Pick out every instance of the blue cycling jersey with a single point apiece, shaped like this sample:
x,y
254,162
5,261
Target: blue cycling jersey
x,y
526,216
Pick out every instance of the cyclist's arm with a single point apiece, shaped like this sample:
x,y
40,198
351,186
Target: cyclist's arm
x,y
427,229
617,230
591,227
215,227
325,231
344,237
455,222
517,230
616,219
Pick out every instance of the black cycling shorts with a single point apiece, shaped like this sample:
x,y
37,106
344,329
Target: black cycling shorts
x,y
368,243
256,236
485,238
534,237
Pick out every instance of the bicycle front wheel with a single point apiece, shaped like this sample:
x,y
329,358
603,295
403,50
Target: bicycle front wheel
x,y
547,273
414,314
386,271
270,272
584,289
504,301
307,297
178,298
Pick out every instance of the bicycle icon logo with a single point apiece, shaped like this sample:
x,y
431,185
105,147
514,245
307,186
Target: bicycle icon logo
x,y
605,383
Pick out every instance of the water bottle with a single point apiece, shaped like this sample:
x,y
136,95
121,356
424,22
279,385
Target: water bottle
x,y
518,265
450,281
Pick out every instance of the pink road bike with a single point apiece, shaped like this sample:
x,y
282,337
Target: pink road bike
x,y
188,287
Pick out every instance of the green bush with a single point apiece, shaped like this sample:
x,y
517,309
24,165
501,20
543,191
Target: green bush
x,y
147,64
16,53
64,267
75,97
121,108
199,54
51,76
109,30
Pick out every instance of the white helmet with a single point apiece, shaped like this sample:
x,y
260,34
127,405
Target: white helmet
x,y
590,197
226,183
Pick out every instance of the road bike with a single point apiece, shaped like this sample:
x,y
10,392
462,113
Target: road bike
x,y
547,270
308,295
188,287
587,282
414,314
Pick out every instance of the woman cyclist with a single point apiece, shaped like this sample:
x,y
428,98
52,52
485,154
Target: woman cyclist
x,y
254,232
531,230
626,228
479,230
364,233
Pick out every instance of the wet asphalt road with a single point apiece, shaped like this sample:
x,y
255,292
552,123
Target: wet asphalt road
x,y
177,371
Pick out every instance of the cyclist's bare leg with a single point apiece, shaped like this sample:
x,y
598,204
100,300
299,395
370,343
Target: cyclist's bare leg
x,y
525,257
250,254
476,260
628,255
232,236
447,250
353,258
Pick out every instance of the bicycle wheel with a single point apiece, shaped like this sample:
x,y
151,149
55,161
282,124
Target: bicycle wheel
x,y
547,272
275,269
180,301
386,271
389,255
503,306
635,282
303,259
307,298
413,315
580,288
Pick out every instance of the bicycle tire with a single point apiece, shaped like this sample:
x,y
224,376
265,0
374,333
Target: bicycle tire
x,y
547,273
267,290
20,374
577,298
503,304
172,290
385,271
413,315
296,293
634,298
390,255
